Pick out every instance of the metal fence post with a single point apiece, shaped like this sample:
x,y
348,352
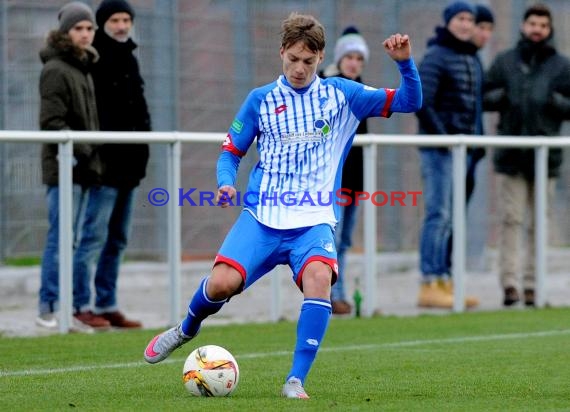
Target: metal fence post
x,y
174,229
65,155
541,222
458,253
370,153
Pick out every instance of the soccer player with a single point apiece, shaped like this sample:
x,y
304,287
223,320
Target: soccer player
x,y
304,127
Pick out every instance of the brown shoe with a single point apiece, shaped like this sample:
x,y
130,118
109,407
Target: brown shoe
x,y
529,297
432,295
118,320
95,321
341,307
470,301
511,296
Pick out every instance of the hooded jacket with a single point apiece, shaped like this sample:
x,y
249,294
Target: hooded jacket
x,y
67,102
451,84
122,106
529,86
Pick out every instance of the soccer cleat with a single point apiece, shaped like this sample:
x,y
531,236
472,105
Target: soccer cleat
x,y
293,389
161,346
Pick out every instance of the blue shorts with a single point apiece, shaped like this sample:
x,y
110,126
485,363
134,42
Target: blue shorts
x,y
254,249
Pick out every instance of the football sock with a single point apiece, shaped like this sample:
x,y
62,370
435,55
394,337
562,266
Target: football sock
x,y
311,328
200,308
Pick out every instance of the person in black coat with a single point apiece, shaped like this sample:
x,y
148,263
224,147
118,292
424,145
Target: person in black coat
x,y
119,90
529,85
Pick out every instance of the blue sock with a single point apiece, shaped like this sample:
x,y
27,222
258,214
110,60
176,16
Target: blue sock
x,y
200,308
311,328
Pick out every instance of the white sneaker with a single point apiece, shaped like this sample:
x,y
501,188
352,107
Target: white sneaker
x,y
50,322
47,320
293,388
79,327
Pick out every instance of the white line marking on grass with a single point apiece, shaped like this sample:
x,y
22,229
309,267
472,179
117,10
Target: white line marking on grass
x,y
463,339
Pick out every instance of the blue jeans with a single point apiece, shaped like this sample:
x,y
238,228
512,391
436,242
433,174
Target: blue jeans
x,y
346,227
435,238
49,288
94,240
107,271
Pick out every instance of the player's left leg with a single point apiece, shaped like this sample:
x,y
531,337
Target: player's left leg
x,y
314,271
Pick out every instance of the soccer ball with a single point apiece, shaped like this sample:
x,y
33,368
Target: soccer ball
x,y
210,371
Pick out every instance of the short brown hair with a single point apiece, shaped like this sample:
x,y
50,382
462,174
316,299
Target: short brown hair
x,y
538,10
304,28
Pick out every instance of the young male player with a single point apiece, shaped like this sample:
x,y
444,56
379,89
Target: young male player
x,y
304,127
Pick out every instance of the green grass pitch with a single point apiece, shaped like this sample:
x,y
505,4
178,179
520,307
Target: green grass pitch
x,y
486,361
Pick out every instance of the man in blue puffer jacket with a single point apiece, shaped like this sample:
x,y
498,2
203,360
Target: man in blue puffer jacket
x,y
451,85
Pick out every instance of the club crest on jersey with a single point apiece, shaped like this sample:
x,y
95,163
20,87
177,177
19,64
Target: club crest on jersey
x,y
323,125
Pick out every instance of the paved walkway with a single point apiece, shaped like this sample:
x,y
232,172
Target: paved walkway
x,y
143,292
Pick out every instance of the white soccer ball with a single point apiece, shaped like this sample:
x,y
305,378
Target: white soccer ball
x,y
210,370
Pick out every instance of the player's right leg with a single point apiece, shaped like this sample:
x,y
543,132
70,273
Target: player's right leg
x,y
208,299
240,261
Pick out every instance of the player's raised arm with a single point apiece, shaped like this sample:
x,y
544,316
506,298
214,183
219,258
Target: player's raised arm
x,y
408,97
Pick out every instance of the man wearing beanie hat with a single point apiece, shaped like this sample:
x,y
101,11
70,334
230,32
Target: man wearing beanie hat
x,y
67,102
351,53
109,7
451,84
484,25
122,106
454,9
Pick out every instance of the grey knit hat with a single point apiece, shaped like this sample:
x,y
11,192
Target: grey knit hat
x,y
350,41
72,13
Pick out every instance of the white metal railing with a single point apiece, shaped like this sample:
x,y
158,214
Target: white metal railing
x,y
458,143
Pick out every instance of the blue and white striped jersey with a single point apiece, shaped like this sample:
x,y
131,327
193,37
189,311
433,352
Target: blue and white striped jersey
x,y
303,137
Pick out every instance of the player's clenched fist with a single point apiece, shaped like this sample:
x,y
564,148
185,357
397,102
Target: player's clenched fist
x,y
398,46
225,195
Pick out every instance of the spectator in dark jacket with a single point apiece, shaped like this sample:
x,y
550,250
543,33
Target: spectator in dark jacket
x,y
122,107
350,55
529,86
67,102
451,84
484,26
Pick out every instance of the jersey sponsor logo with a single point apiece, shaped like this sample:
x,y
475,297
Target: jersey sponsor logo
x,y
300,137
237,126
323,125
280,109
